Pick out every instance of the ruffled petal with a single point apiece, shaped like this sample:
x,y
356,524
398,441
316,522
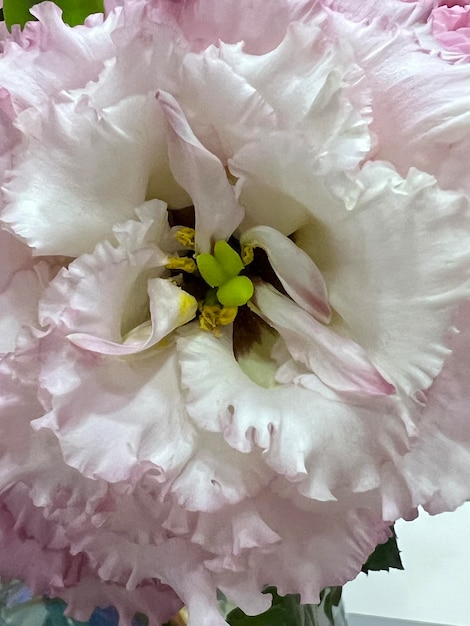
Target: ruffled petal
x,y
337,361
298,274
421,127
48,53
92,398
443,432
202,175
21,284
451,27
396,306
87,192
317,441
102,296
217,476
206,22
328,106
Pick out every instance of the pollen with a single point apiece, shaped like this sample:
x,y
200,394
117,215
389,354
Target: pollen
x,y
213,315
186,237
227,315
182,263
248,254
209,318
186,303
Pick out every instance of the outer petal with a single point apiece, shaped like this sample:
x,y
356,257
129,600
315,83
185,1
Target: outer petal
x,y
337,361
451,27
48,53
93,401
88,191
8,133
206,22
397,306
419,127
21,285
437,467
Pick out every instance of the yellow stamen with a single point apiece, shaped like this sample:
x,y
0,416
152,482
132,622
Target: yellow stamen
x,y
227,315
182,263
210,318
247,254
186,237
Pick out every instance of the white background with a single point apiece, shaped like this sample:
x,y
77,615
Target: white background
x,y
434,588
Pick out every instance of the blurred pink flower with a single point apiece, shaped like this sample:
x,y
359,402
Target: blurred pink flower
x,y
451,27
147,461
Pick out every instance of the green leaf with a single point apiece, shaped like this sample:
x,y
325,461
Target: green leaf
x,y
331,598
287,611
385,556
74,11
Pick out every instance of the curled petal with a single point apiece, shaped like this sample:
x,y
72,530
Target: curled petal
x,y
170,307
298,274
337,361
203,176
114,291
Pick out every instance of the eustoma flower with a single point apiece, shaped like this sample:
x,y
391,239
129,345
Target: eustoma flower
x,y
223,330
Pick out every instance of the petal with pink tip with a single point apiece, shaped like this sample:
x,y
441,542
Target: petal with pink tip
x,y
170,307
337,361
298,274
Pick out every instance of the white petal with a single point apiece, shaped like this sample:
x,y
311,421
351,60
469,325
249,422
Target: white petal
x,y
93,397
395,266
98,166
238,114
203,176
308,83
170,307
320,443
298,274
337,361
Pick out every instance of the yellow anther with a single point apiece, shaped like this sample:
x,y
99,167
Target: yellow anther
x,y
248,254
210,318
182,263
227,315
186,237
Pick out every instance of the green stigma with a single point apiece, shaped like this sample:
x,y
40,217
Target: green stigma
x,y
221,270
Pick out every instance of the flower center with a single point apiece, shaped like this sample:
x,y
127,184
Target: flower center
x,y
221,272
